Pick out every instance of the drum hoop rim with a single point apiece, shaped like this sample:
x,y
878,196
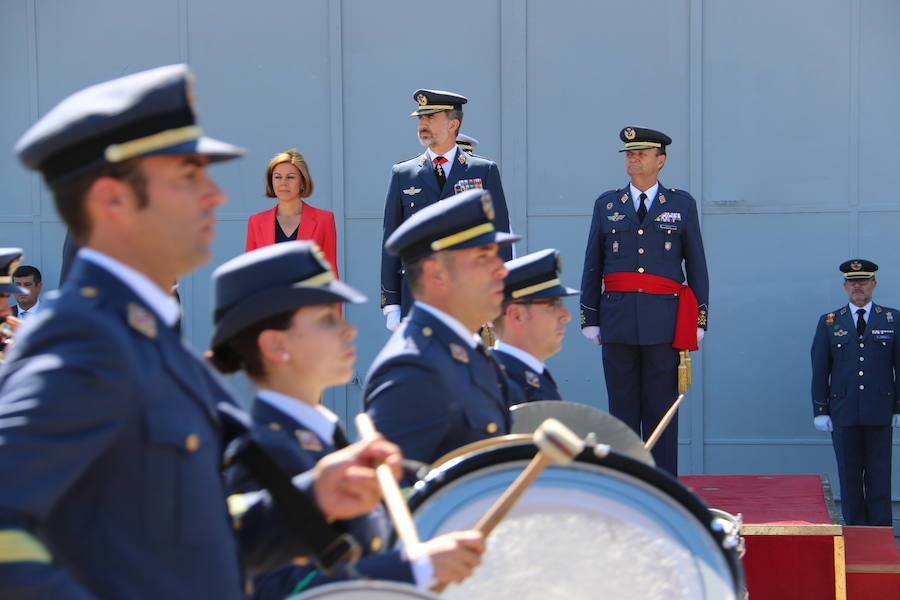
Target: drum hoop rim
x,y
652,476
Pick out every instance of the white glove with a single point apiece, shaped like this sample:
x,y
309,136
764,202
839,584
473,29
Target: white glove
x,y
392,316
896,421
700,333
592,333
823,423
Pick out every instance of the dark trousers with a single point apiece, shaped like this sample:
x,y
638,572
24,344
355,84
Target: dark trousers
x,y
642,383
864,467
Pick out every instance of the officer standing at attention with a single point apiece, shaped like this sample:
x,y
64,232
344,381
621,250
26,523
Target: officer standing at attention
x,y
434,387
533,322
856,394
112,431
440,172
633,300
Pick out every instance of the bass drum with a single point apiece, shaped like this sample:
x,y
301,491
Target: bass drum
x,y
365,590
600,527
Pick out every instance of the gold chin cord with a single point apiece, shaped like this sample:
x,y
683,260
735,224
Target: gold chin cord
x,y
684,371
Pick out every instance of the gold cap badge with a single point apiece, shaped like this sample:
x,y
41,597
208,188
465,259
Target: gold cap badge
x,y
421,99
629,133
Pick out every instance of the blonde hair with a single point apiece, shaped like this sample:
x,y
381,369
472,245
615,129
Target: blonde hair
x,y
295,158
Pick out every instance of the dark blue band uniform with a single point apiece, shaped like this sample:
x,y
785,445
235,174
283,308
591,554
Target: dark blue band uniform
x,y
855,381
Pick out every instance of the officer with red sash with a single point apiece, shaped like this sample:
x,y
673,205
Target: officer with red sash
x,y
644,238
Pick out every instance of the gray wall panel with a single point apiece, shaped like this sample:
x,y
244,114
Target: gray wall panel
x,y
19,196
772,73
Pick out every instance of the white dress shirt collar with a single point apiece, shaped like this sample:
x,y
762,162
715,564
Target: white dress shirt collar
x,y
30,311
158,300
651,196
317,419
536,365
450,155
457,327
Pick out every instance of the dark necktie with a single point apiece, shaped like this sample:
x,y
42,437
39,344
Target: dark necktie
x,y
860,322
339,437
642,210
439,170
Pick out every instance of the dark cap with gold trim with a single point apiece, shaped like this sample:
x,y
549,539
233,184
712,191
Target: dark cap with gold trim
x,y
461,221
9,260
641,138
147,113
466,142
435,101
272,280
858,268
534,276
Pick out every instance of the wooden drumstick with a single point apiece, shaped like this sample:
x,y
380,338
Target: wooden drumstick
x,y
556,444
663,423
390,491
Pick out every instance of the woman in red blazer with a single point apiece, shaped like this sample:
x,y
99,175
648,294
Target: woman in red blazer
x,y
288,179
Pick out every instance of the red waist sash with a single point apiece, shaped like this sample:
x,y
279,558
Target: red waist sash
x,y
688,309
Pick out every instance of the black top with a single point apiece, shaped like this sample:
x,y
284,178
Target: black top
x,y
279,233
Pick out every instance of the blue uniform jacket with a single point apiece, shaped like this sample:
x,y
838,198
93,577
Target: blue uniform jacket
x,y
668,237
297,449
855,380
110,455
430,393
413,187
533,386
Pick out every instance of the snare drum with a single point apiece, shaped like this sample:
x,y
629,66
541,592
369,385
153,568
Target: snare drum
x,y
365,590
610,527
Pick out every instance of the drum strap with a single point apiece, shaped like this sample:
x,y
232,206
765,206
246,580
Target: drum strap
x,y
329,548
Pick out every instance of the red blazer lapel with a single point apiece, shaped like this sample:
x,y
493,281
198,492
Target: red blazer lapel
x,y
309,222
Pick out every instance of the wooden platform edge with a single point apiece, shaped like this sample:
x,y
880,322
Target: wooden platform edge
x,y
792,530
840,573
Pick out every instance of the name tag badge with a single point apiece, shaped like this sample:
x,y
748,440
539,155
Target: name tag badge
x,y
667,226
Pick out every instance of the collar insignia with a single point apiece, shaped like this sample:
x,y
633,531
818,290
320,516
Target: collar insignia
x,y
878,309
141,319
459,353
461,157
889,316
308,440
662,199
624,198
532,379
844,311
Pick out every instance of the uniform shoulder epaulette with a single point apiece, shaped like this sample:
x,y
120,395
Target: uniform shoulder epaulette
x,y
410,159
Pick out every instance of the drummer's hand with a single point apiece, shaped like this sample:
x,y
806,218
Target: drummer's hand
x,y
345,483
453,555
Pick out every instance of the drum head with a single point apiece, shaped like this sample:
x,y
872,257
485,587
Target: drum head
x,y
582,420
606,527
365,590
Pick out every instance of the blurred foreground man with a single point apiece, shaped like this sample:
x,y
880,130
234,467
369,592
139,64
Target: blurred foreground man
x,y
112,436
856,394
434,386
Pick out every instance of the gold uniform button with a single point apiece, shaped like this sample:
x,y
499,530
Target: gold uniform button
x,y
492,428
88,291
860,373
862,387
426,331
248,588
192,442
375,544
839,345
275,426
640,232
640,250
300,561
640,269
